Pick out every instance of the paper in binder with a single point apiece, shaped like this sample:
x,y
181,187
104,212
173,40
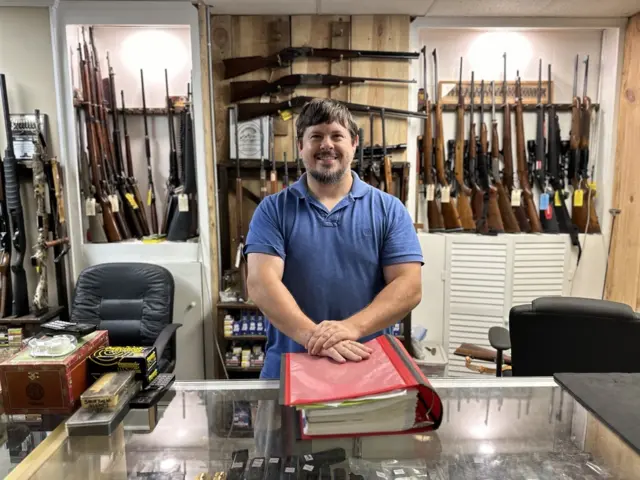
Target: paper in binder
x,y
384,394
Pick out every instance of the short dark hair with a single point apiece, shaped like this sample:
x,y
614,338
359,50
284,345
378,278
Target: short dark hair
x,y
325,110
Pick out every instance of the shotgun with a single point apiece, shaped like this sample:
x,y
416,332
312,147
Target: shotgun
x,y
285,57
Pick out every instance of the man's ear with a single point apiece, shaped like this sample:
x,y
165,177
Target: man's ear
x,y
299,146
356,141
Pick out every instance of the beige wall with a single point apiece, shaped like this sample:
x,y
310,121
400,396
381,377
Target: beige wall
x,y
30,85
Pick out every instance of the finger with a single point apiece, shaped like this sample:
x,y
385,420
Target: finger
x,y
347,353
319,343
335,355
359,349
335,338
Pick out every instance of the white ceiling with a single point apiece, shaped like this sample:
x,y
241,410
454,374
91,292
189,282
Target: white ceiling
x,y
434,8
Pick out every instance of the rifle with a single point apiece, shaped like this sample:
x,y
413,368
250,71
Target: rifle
x,y
249,111
507,157
285,57
493,221
151,193
435,218
523,173
106,148
388,174
288,83
263,172
183,221
20,300
5,253
463,191
173,182
240,263
273,176
504,205
449,219
285,176
130,206
360,153
132,183
477,195
39,259
98,190
480,353
556,178
590,223
548,220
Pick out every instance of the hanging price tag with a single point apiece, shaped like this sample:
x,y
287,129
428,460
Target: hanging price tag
x,y
431,192
548,213
286,115
557,201
90,207
592,186
115,205
149,198
183,202
544,201
516,193
132,201
578,198
445,194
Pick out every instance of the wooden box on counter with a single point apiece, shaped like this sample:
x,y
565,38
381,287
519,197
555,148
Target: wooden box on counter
x,y
48,384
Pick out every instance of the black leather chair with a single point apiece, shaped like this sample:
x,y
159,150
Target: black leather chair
x,y
569,334
133,302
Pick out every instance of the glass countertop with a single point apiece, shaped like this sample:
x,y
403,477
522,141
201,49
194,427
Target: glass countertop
x,y
507,428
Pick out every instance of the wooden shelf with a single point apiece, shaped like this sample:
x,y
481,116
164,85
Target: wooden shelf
x,y
247,337
238,306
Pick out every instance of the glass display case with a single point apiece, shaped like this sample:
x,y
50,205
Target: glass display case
x,y
508,428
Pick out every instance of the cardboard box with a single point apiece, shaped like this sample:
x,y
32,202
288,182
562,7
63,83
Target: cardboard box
x,y
142,360
48,384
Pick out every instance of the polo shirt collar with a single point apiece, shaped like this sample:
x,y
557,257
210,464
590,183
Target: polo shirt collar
x,y
358,188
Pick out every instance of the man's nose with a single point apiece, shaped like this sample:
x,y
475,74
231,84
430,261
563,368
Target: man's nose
x,y
326,144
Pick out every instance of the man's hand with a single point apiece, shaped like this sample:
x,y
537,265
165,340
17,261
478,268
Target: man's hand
x,y
346,350
328,333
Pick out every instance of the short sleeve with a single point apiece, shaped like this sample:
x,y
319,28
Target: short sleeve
x,y
265,234
401,244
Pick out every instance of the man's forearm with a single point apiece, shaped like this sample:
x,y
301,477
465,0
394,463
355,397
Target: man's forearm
x,y
390,306
277,303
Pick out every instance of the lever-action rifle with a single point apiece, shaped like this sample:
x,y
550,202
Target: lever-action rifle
x,y
285,57
523,172
587,219
20,300
288,83
248,111
490,220
151,191
463,191
548,219
436,221
477,194
507,156
504,202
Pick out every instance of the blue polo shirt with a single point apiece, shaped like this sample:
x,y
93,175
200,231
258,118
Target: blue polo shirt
x,y
333,260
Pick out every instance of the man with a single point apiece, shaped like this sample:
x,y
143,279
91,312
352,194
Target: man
x,y
332,261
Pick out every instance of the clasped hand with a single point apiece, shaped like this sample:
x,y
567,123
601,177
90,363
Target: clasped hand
x,y
337,340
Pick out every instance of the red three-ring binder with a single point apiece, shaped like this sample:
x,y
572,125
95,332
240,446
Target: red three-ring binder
x,y
309,379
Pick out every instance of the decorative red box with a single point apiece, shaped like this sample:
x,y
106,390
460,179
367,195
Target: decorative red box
x,y
48,384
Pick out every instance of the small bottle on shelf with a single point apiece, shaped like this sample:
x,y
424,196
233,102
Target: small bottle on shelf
x,y
244,324
252,324
228,325
236,327
260,330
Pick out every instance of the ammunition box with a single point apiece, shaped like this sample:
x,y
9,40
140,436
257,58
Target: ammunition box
x,y
141,360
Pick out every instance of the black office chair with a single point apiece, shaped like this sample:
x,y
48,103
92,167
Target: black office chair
x,y
133,302
569,334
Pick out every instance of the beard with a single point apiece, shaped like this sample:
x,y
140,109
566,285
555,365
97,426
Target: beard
x,y
329,177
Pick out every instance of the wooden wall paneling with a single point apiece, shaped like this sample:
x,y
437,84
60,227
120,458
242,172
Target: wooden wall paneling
x,y
382,32
622,282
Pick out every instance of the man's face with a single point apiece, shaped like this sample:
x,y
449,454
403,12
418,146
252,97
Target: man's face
x,y
327,151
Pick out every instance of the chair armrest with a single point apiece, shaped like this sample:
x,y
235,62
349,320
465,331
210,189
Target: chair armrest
x,y
499,338
163,339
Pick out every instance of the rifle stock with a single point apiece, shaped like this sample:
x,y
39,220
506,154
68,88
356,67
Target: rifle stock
x,y
450,215
436,220
464,193
479,353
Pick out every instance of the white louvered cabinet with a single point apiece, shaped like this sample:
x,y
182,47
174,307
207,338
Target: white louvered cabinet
x,y
485,276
